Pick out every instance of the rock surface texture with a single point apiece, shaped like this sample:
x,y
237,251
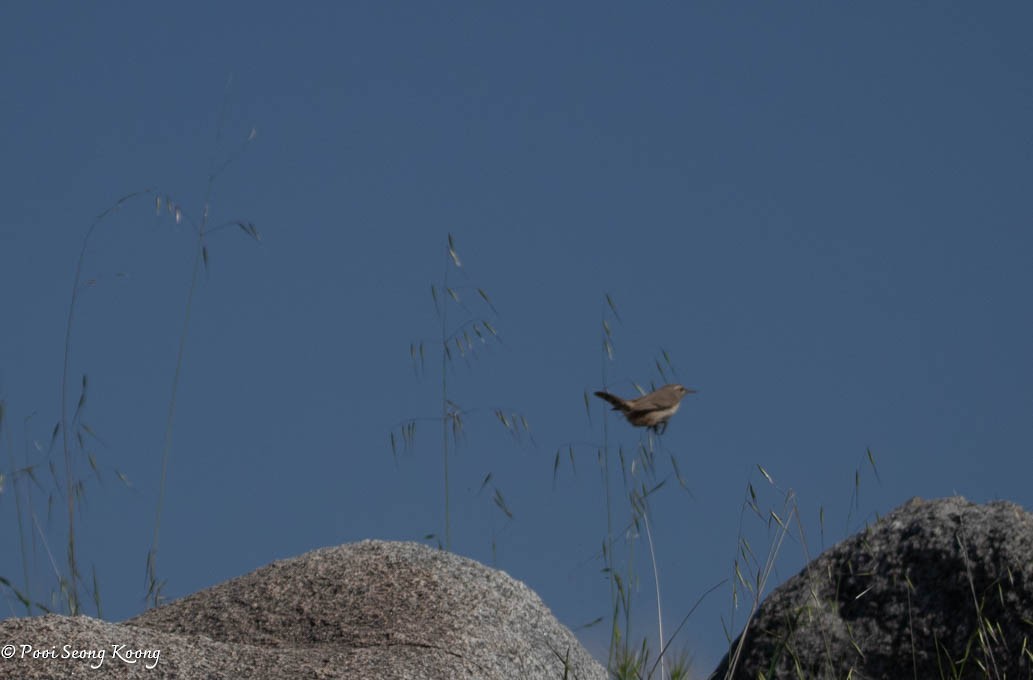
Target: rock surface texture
x,y
935,589
364,610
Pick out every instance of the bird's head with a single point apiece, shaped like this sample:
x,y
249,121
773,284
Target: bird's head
x,y
682,390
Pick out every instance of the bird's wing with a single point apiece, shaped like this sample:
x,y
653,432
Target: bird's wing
x,y
656,401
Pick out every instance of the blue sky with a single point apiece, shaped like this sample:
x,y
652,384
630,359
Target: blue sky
x,y
821,212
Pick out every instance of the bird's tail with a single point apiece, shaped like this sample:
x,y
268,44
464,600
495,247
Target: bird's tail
x,y
618,403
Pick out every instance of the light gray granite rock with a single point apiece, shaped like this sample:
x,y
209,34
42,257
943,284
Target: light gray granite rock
x,y
373,609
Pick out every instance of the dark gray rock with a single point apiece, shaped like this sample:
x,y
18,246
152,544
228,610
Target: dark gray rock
x,y
365,610
935,589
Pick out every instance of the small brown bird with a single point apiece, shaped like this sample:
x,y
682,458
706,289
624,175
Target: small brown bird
x,y
652,410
